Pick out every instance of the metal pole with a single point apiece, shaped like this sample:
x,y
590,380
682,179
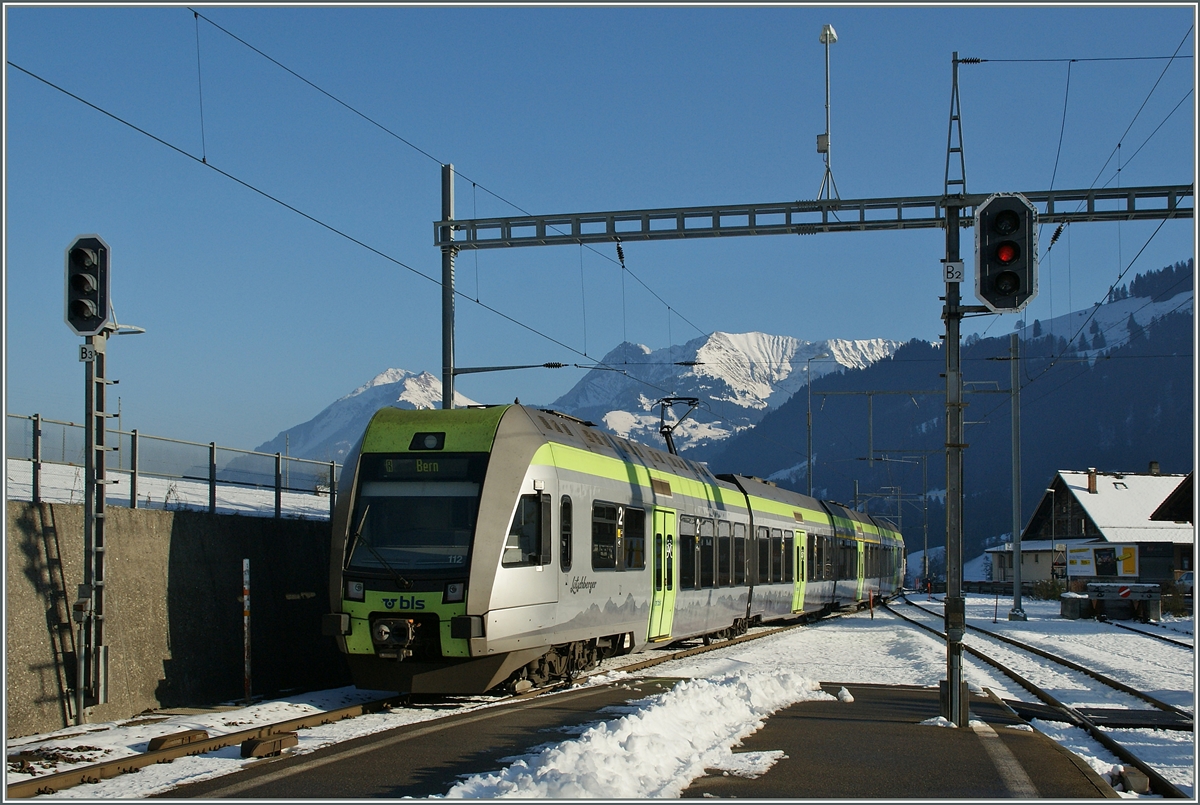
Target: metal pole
x,y
809,468
133,468
1016,614
870,429
925,499
37,459
448,253
955,699
212,477
332,489
278,486
828,146
246,625
91,650
955,604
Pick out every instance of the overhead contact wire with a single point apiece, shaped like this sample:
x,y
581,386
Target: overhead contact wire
x,y
410,144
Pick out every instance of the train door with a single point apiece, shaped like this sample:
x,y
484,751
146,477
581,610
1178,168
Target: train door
x,y
662,608
861,557
800,563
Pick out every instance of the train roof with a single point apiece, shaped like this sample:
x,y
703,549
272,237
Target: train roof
x,y
558,427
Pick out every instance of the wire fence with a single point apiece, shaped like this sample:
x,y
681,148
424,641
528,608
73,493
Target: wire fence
x,y
45,460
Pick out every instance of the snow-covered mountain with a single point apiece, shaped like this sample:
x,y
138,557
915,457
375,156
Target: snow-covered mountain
x,y
739,377
331,434
1109,321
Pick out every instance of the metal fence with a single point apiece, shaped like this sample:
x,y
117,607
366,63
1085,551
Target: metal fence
x,y
45,459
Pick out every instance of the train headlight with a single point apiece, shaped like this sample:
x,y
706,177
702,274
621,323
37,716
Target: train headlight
x,y
354,590
454,592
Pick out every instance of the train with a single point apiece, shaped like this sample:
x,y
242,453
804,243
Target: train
x,y
499,548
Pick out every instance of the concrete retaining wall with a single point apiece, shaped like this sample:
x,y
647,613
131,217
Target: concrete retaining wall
x,y
173,610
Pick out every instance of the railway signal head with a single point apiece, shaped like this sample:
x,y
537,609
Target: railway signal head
x,y
1006,252
87,285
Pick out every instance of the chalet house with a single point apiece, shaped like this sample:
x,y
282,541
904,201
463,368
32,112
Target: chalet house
x,y
1095,526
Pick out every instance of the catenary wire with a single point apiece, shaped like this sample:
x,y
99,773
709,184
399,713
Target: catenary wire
x,y
334,230
417,148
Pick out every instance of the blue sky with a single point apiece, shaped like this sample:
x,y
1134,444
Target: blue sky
x,y
256,317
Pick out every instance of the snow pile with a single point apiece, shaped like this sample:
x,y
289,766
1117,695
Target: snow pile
x,y
658,749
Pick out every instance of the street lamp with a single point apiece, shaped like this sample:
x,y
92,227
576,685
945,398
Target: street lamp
x,y
808,370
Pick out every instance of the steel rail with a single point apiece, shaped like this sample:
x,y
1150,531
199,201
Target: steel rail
x,y
1158,784
94,773
49,783
1074,666
1164,638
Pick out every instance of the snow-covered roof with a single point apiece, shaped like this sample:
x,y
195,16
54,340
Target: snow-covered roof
x,y
1123,502
1035,545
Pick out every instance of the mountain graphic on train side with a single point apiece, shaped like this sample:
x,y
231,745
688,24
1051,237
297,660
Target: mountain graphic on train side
x,y
331,434
738,377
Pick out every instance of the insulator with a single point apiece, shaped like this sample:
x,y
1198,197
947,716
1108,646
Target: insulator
x,y
971,60
1057,232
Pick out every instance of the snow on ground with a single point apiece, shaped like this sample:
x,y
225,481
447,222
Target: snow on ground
x,y
63,483
655,746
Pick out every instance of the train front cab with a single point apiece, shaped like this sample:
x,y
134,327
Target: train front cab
x,y
405,561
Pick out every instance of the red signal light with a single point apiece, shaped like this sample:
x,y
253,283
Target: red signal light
x,y
1007,252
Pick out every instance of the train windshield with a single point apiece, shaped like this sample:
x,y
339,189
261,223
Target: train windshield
x,y
415,513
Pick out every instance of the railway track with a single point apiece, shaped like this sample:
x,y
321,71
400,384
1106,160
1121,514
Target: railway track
x,y
272,739
1155,635
1078,716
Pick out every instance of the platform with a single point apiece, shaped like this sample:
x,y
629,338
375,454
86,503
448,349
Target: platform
x,y
877,747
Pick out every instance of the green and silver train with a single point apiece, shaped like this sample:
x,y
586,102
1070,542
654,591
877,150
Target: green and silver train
x,y
503,547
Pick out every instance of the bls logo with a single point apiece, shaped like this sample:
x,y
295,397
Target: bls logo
x,y
404,603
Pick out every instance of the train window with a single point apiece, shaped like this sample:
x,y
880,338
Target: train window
x,y
776,555
814,559
739,553
724,551
706,561
670,562
658,570
846,560
564,557
687,524
764,555
634,539
687,561
829,557
706,530
604,536
788,557
522,547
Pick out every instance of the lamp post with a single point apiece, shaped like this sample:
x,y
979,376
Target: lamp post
x,y
808,370
828,188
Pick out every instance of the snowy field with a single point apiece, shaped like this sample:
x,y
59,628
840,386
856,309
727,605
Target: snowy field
x,y
729,693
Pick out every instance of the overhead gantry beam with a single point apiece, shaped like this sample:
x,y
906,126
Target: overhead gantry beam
x,y
801,218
